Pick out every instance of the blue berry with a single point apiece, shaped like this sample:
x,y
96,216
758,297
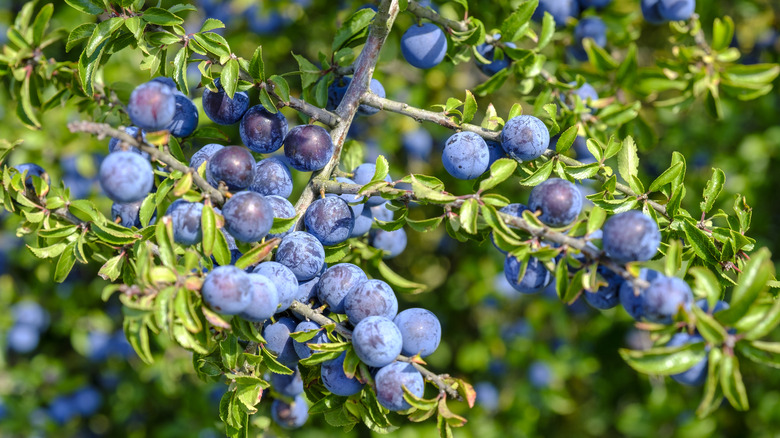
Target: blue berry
x,y
418,143
290,416
248,216
288,385
186,220
338,89
664,298
590,27
329,219
676,10
336,381
152,106
561,10
362,223
487,396
488,51
390,383
272,177
720,305
206,153
354,201
420,330
128,214
606,297
263,131
539,374
126,177
652,12
165,81
525,138
337,282
631,236
466,155
233,165
23,338
227,290
496,151
598,4
113,144
307,290
31,314
87,401
264,299
301,349
282,208
392,243
536,275
559,201
633,303
424,46
370,298
185,119
284,280
377,341
362,175
221,109
308,148
302,253
697,374
279,341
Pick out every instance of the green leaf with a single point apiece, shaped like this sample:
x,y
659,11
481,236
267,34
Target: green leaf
x,y
229,77
713,189
65,263
513,25
541,174
310,73
722,33
665,360
628,160
101,33
161,17
701,243
256,254
751,282
273,364
163,232
468,215
399,284
112,268
256,66
211,24
766,323
764,353
710,401
708,327
666,177
382,167
91,7
566,140
208,223
731,382
320,357
500,171
41,23
79,34
424,225
26,102
706,285
548,30
352,26
282,88
596,219
469,107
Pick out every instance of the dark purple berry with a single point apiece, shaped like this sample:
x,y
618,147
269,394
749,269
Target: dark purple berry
x,y
233,165
263,131
248,216
308,148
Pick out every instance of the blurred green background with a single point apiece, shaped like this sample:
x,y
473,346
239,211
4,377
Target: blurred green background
x,y
541,368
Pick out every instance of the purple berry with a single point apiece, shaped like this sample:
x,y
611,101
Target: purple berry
x,y
272,177
282,208
535,279
248,216
283,279
301,348
206,153
337,282
186,219
390,383
302,253
377,341
525,138
330,220
290,416
631,236
126,177
151,106
370,298
308,148
559,201
424,46
263,131
466,155
227,290
264,301
233,165
221,109
420,330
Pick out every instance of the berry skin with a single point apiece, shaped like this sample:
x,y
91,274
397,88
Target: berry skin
x,y
279,341
233,165
338,89
536,277
354,201
590,27
334,379
513,209
284,280
362,223
264,301
663,299
307,290
290,416
337,283
185,118
720,305
362,175
126,177
420,330
606,297
631,302
308,148
488,51
390,381
113,144
152,106
697,374
330,220
466,155
424,46
370,298
272,177
525,138
392,243
676,10
282,208
652,12
418,143
561,10
22,338
248,216
301,349
185,217
598,4
585,92
227,290
559,200
302,253
631,236
377,341
128,214
487,396
221,109
165,81
288,385
263,131
539,374
206,153
496,151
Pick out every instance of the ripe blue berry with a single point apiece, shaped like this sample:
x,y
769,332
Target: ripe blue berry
x,y
308,147
206,153
362,175
301,349
113,144
227,290
590,27
536,275
559,201
631,236
377,341
390,383
466,155
418,143
338,89
126,177
248,217
151,106
221,109
697,374
288,385
354,201
264,299
186,220
651,11
336,381
337,282
330,220
290,416
488,51
420,330
561,10
233,165
392,243
424,46
632,302
272,177
370,298
279,341
598,4
676,10
525,138
606,297
283,279
282,208
128,214
263,131
302,253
